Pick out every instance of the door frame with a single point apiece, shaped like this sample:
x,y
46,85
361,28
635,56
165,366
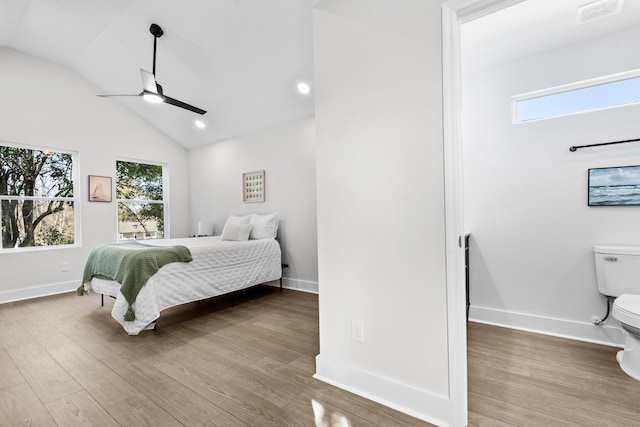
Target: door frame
x,y
454,14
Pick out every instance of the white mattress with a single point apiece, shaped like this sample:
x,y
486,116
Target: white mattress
x,y
218,267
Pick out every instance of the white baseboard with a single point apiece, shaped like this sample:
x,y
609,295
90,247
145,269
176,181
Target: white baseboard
x,y
300,285
38,291
581,331
421,404
62,287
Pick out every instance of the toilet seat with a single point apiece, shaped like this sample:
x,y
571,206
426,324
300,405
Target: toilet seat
x,y
626,309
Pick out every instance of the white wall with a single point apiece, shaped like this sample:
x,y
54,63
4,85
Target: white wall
x,y
526,194
287,154
381,228
44,104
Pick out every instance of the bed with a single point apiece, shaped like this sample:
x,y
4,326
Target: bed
x,y
219,265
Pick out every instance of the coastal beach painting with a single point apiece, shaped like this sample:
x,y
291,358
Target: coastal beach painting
x,y
614,186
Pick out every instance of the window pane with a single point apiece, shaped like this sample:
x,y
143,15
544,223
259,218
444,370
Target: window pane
x,y
28,223
139,191
138,181
37,206
616,93
138,220
27,172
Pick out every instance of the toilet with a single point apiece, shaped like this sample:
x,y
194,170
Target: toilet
x,y
618,275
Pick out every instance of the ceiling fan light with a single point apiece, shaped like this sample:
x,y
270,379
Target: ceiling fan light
x,y
152,98
200,124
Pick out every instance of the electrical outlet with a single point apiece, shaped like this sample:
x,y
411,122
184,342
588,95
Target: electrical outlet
x,y
65,266
357,330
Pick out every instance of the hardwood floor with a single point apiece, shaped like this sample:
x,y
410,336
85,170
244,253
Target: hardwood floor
x,y
65,362
523,379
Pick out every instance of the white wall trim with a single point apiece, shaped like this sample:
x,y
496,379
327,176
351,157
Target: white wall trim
x,y
468,10
70,286
296,285
300,285
418,403
38,291
563,328
454,212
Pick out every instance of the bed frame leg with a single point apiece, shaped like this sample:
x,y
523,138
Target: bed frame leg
x,y
283,266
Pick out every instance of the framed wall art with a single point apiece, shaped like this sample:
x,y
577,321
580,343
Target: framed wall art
x,y
614,186
253,186
99,188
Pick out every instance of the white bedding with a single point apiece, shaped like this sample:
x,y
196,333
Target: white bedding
x,y
218,267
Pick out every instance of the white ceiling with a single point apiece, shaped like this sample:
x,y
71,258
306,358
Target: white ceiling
x,y
238,59
241,59
534,26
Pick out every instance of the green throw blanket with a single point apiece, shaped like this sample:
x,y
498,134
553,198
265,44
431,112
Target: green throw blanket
x,y
131,264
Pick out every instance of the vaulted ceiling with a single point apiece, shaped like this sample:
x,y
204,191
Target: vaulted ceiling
x,y
238,59
241,59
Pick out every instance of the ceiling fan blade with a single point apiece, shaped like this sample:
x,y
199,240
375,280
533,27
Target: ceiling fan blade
x,y
149,83
184,105
151,90
129,94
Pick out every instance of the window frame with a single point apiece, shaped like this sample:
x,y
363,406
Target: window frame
x,y
76,200
583,84
164,201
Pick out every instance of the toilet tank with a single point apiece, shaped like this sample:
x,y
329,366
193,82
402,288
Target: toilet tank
x,y
617,269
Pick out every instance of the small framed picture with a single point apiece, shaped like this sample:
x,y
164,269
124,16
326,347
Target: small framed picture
x,y
253,186
614,186
99,188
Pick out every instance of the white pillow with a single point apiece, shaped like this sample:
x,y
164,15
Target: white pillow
x,y
236,232
264,226
235,219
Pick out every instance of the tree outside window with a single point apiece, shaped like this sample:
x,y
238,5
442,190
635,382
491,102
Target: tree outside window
x,y
36,197
140,194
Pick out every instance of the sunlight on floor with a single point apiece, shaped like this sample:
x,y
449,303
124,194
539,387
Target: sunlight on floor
x,y
320,420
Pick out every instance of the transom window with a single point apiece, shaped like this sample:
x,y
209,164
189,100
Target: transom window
x,y
37,199
140,197
590,95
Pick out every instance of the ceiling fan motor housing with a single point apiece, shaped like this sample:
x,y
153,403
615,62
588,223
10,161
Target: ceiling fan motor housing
x,y
156,30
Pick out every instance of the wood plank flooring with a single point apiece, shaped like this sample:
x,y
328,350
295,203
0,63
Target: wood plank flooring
x,y
524,379
64,361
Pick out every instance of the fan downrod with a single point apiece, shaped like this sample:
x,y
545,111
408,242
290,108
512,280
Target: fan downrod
x,y
156,30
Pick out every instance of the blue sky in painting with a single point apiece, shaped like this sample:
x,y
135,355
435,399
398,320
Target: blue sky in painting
x,y
624,175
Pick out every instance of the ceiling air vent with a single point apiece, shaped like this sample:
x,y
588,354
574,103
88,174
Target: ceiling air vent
x,y
598,9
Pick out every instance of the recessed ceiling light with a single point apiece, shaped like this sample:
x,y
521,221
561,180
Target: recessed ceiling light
x,y
200,124
304,88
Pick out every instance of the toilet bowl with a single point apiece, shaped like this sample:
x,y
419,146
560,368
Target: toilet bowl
x,y
617,272
626,310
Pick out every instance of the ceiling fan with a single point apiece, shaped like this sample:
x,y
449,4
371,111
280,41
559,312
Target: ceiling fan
x,y
151,90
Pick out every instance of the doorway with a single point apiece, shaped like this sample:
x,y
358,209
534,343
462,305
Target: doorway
x,y
572,167
454,13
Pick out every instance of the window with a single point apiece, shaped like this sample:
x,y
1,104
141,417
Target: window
x,y
597,94
37,199
140,198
